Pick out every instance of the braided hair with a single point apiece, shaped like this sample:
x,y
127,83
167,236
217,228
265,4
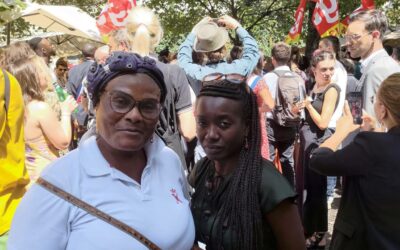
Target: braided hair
x,y
241,209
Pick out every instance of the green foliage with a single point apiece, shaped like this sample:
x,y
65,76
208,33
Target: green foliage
x,y
9,9
267,20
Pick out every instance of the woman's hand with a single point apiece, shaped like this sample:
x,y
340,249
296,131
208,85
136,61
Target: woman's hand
x,y
345,124
297,107
68,105
228,22
369,122
307,102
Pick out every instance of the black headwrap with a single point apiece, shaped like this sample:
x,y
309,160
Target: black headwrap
x,y
122,63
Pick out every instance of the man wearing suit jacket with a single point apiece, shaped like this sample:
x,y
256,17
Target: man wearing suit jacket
x,y
364,39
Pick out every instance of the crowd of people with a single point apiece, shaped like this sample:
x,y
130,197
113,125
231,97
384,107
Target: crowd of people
x,y
213,149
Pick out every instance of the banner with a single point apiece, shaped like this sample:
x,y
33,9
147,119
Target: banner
x,y
326,17
365,5
295,31
113,15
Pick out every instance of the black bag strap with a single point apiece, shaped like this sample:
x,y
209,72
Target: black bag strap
x,y
97,213
6,89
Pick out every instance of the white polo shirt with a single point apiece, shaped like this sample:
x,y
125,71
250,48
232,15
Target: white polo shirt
x,y
157,207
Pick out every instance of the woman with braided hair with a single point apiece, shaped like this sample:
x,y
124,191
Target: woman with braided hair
x,y
241,201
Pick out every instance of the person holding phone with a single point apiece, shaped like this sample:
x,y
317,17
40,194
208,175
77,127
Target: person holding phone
x,y
319,108
368,215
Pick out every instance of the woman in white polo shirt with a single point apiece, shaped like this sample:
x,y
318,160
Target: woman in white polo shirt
x,y
126,171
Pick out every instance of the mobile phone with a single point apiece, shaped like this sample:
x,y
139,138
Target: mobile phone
x,y
355,101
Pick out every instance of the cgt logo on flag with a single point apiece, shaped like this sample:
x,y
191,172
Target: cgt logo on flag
x,y
113,16
326,17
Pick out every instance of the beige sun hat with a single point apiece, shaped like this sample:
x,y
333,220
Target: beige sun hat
x,y
210,37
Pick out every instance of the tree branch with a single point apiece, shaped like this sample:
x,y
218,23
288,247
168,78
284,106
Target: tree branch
x,y
266,13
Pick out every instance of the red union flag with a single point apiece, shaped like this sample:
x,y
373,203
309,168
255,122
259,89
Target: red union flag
x,y
113,15
365,5
295,31
326,17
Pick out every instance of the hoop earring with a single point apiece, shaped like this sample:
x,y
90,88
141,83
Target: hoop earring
x,y
151,139
246,143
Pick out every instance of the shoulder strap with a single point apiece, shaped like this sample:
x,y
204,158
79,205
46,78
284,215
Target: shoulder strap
x,y
97,213
6,89
255,81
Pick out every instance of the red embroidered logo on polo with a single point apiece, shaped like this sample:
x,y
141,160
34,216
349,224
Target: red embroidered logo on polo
x,y
175,195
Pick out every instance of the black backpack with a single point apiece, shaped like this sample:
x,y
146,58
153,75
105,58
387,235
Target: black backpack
x,y
290,90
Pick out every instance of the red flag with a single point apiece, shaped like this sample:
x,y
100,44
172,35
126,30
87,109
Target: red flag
x,y
326,17
365,5
295,31
113,15
368,4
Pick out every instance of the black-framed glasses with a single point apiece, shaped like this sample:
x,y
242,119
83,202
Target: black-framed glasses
x,y
218,77
123,103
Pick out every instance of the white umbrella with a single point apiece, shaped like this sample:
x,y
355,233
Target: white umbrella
x,y
66,19
65,45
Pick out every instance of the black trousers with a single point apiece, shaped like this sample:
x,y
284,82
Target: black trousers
x,y
315,209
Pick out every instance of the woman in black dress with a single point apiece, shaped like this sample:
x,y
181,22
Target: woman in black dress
x,y
319,107
241,201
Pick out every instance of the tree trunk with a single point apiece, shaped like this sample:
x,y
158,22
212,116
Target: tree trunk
x,y
312,33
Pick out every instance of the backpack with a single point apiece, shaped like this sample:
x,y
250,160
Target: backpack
x,y
289,91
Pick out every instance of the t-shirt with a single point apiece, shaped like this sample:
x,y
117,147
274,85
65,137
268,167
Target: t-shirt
x,y
13,175
273,189
178,100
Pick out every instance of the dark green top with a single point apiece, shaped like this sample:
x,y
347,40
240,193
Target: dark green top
x,y
206,202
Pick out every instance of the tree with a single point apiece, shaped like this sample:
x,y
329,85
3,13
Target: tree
x,y
267,20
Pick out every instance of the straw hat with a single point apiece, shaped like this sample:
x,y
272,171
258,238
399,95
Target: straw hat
x,y
210,37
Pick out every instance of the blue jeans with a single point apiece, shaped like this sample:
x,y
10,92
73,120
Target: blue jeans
x,y
330,188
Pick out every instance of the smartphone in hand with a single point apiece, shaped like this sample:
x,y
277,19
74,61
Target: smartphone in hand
x,y
355,101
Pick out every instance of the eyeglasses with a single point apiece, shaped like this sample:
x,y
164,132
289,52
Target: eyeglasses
x,y
217,78
123,103
355,37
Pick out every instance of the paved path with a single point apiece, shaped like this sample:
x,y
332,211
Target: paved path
x,y
332,216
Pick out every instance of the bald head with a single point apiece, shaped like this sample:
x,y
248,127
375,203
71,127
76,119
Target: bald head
x,y
101,54
88,50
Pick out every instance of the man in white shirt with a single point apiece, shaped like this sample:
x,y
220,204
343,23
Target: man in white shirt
x,y
364,39
279,137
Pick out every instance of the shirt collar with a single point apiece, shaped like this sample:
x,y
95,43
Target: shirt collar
x,y
367,60
283,67
94,163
